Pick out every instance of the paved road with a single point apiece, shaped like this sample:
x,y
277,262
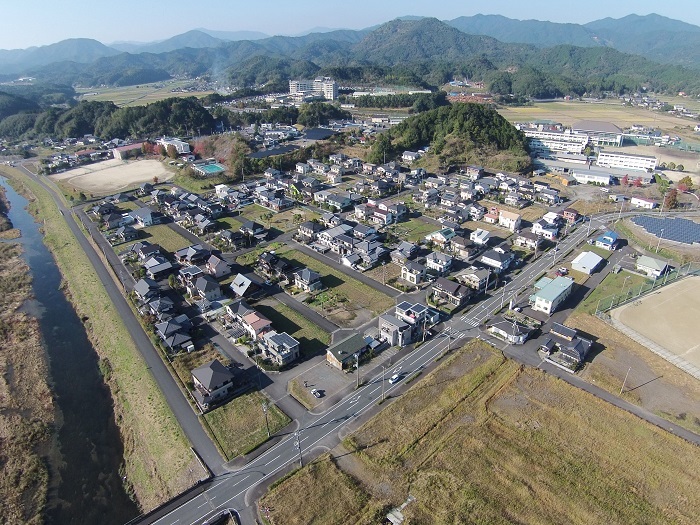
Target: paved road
x,y
178,404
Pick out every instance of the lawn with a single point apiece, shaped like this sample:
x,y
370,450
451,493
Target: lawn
x,y
609,287
157,459
196,185
313,340
480,438
250,257
231,223
414,230
341,285
185,362
169,239
239,425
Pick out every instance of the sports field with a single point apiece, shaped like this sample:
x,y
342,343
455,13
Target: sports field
x,y
668,318
142,94
113,175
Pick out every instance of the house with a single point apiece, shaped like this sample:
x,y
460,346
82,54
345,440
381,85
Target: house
x,y
403,252
307,280
441,237
513,332
527,239
549,197
342,354
255,324
217,267
462,247
308,231
145,249
282,348
195,254
413,272
545,230
491,217
207,288
564,347
428,196
364,232
410,156
550,293
650,266
146,216
339,201
252,229
438,262
189,275
475,278
640,202
126,233
608,241
452,292
394,331
331,220
586,262
175,333
161,307
417,315
146,289
157,267
571,215
498,259
509,220
243,286
480,237
115,220
330,237
145,189
551,218
213,383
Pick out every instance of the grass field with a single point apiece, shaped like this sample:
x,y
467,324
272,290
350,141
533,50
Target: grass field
x,y
611,285
162,234
139,95
239,425
414,230
157,459
194,185
481,440
356,293
312,338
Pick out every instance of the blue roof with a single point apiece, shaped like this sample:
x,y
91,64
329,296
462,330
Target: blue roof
x,y
609,237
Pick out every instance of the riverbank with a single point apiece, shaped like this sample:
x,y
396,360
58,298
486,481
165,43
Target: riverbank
x,y
27,411
158,463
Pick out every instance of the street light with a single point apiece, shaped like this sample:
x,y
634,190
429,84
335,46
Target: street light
x,y
297,444
658,244
383,371
357,367
267,424
624,283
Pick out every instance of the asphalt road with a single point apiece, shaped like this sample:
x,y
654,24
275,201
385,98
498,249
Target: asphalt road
x,y
182,410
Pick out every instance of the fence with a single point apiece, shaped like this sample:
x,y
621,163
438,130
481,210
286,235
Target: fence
x,y
634,293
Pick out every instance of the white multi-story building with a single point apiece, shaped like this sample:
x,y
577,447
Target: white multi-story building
x,y
546,142
182,147
626,161
320,86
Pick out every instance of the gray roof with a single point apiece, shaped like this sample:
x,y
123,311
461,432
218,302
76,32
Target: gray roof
x,y
206,283
393,321
349,346
308,276
240,308
212,374
240,284
144,286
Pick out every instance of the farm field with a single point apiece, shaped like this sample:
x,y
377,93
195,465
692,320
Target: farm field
x,y
139,95
518,439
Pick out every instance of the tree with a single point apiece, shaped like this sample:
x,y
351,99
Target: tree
x,y
625,180
671,199
682,187
171,151
671,166
680,167
172,281
156,180
638,182
687,181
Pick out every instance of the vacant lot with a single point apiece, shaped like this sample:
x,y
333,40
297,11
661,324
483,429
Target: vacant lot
x,y
111,176
668,318
415,229
162,234
480,439
312,338
239,425
350,292
610,289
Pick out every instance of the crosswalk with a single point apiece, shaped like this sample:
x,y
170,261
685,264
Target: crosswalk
x,y
471,322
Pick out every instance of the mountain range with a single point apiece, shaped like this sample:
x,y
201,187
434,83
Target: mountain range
x,y
559,58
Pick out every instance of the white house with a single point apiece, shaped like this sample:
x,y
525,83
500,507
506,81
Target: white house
x,y
652,267
480,237
641,202
586,262
509,220
550,293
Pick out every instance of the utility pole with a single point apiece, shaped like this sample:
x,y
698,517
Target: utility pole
x,y
297,444
383,371
357,365
658,244
624,283
625,381
267,424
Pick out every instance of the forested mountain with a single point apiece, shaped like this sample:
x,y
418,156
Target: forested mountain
x,y
12,104
458,134
81,50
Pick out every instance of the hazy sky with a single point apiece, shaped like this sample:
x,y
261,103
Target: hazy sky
x,y
26,23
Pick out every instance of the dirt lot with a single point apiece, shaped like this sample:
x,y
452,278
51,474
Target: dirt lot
x,y
668,318
110,176
518,441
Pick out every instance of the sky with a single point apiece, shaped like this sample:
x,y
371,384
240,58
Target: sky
x,y
28,23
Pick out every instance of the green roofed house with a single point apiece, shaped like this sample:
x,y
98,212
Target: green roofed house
x,y
342,354
650,266
550,293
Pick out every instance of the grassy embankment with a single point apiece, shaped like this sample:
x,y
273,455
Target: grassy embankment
x,y
480,439
27,410
158,463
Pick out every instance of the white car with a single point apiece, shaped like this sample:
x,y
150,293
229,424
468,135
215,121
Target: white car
x,y
395,379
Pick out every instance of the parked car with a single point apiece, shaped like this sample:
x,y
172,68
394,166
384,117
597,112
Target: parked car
x,y
562,271
316,393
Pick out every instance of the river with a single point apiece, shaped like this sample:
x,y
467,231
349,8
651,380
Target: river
x,y
86,483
